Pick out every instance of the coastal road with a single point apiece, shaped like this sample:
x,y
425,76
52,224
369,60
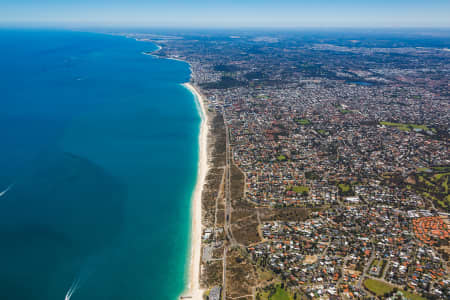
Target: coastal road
x,y
228,206
220,194
224,273
227,212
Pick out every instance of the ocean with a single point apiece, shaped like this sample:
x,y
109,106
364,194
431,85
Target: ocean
x,y
98,161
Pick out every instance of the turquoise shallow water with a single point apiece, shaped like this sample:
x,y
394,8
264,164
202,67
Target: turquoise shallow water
x,y
99,149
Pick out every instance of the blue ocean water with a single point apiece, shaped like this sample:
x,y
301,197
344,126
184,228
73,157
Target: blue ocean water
x,y
98,160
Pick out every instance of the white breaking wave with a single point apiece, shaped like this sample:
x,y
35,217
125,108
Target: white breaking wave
x,y
5,191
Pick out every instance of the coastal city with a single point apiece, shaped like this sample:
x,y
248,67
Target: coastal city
x,y
329,165
225,150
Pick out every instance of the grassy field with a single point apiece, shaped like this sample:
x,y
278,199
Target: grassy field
x,y
276,293
303,121
344,187
299,189
433,184
439,176
323,132
441,168
377,263
280,295
407,127
281,158
380,288
377,287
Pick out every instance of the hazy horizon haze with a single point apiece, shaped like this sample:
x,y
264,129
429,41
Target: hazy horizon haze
x,y
233,14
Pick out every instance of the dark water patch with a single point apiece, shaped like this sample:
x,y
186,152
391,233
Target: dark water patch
x,y
70,195
67,209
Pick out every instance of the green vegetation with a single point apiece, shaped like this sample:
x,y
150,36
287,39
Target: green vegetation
x,y
447,200
414,126
345,111
255,75
226,68
265,276
379,264
299,189
344,187
375,262
432,183
445,185
442,203
224,83
281,158
280,294
441,168
412,296
439,176
275,293
323,132
377,287
427,182
399,126
311,175
407,127
380,289
303,121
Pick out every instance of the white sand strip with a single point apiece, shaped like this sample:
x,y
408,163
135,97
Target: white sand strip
x,y
194,289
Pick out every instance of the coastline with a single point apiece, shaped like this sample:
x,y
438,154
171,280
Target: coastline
x,y
152,53
194,291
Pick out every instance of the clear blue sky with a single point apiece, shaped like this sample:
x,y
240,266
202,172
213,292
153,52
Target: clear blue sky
x,y
230,13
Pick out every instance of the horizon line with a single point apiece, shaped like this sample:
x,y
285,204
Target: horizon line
x,y
88,25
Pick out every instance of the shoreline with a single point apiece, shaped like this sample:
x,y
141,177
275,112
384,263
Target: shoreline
x,y
152,53
193,289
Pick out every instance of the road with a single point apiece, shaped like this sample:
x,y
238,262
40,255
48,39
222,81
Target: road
x,y
227,226
366,268
228,207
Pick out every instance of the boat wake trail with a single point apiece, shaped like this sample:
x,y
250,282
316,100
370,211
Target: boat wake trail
x,y
79,280
5,191
73,288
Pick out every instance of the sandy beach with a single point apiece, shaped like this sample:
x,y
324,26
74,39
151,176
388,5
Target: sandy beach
x,y
194,289
152,53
